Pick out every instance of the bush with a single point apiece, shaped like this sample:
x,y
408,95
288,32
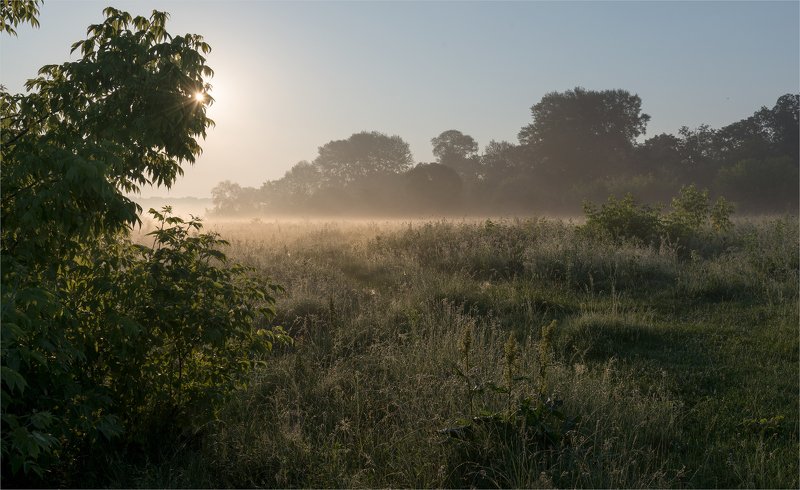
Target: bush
x,y
624,219
101,337
137,341
692,215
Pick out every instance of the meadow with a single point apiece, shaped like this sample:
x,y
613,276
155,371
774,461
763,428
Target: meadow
x,y
509,353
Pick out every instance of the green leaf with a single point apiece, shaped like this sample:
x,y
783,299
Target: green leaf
x,y
13,379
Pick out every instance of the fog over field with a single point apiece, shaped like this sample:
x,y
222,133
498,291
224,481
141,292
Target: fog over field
x,y
278,244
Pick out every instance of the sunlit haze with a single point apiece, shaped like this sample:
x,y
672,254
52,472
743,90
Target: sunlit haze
x,y
292,76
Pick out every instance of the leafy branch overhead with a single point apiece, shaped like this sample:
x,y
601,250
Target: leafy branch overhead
x,y
16,12
103,339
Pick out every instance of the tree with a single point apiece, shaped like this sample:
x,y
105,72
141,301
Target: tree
x,y
16,12
434,187
502,160
453,144
302,180
458,151
226,197
765,184
786,125
293,191
660,153
363,154
580,134
93,340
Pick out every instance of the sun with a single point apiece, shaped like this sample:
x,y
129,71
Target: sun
x,y
200,97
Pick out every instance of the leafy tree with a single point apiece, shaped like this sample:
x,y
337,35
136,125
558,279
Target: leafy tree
x,y
583,134
90,321
453,143
502,160
302,180
293,191
362,154
226,197
766,184
767,133
434,187
15,12
661,154
786,125
458,151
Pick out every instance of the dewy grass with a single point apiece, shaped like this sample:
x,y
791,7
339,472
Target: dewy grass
x,y
680,368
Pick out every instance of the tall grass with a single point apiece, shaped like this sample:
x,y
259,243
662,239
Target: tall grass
x,y
681,368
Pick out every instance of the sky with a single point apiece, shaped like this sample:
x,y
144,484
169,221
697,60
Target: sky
x,y
292,76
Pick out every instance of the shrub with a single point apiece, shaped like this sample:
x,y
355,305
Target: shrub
x,y
624,219
102,337
691,215
136,341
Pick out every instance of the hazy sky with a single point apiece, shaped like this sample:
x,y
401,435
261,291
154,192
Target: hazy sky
x,y
291,76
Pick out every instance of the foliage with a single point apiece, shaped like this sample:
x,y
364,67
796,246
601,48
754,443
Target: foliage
x,y
761,184
101,337
15,12
458,151
197,315
624,218
691,213
434,186
453,143
361,155
582,145
582,134
488,445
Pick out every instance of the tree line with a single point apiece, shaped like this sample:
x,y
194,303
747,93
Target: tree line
x,y
581,145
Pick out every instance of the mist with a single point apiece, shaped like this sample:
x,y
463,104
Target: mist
x,y
580,146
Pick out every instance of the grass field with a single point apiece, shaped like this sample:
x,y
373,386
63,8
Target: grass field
x,y
422,357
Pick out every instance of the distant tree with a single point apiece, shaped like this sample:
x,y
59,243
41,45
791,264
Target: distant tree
x,y
453,143
302,180
227,197
584,134
362,154
658,167
700,154
767,133
768,184
501,160
786,125
458,151
660,153
434,187
750,137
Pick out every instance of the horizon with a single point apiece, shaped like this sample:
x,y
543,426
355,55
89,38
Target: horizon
x,y
291,77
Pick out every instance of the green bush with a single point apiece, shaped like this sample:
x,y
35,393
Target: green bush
x,y
624,219
187,325
135,341
688,223
102,338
